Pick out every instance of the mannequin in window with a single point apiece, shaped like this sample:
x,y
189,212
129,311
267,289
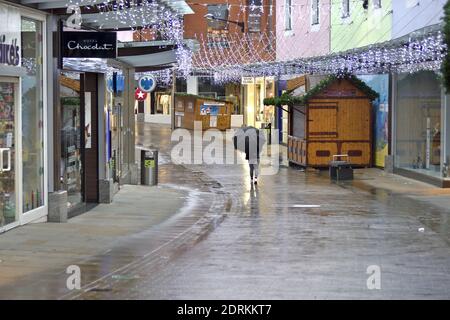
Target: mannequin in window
x,y
436,145
164,100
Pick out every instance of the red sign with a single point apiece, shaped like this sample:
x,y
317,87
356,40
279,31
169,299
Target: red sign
x,y
140,95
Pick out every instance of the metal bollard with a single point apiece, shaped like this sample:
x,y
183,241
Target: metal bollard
x,y
149,167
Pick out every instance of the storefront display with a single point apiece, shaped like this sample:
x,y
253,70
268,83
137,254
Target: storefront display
x,y
114,103
380,83
23,190
71,164
8,105
163,102
418,123
255,112
32,116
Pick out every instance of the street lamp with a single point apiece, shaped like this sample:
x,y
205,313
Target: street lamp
x,y
210,16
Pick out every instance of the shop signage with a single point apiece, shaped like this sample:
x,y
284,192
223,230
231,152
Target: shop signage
x,y
248,80
139,95
79,44
147,83
9,36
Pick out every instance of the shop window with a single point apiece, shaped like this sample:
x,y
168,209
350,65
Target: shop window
x,y
32,115
287,15
315,12
114,99
377,4
70,162
418,123
219,11
163,102
254,15
218,27
345,8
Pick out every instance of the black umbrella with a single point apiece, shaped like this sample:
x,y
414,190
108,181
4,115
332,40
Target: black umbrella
x,y
249,140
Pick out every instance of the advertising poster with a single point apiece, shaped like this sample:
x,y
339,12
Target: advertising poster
x,y
380,83
87,121
209,109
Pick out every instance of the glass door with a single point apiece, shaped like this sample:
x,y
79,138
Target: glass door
x,y
71,164
8,105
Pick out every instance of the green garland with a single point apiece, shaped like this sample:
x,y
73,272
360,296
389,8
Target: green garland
x,y
446,62
287,99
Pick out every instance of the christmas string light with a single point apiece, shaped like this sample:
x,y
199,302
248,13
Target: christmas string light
x,y
424,52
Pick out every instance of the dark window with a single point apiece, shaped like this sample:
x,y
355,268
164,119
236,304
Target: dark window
x,y
219,11
254,15
345,8
287,14
315,12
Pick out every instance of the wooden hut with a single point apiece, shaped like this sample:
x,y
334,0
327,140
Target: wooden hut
x,y
333,118
213,113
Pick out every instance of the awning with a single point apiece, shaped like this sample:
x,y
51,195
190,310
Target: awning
x,y
114,15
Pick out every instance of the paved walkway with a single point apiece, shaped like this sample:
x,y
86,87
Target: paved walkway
x,y
144,225
274,246
296,235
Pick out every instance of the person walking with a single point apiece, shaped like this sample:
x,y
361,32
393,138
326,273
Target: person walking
x,y
250,141
254,141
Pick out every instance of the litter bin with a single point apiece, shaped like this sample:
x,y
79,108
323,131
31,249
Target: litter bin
x,y
340,169
149,167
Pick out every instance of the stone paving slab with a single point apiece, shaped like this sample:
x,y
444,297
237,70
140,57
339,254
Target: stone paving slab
x,y
162,219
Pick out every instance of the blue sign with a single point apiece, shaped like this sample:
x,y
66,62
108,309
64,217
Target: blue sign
x,y
147,83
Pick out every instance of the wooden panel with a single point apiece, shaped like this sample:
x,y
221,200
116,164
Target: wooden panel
x,y
322,121
289,146
313,147
188,120
295,83
305,153
179,105
205,122
91,154
224,122
342,89
354,120
363,148
298,151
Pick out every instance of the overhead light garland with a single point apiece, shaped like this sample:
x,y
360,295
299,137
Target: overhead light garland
x,y
143,15
446,62
423,51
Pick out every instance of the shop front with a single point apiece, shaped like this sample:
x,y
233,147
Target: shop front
x,y
255,90
421,128
23,158
92,124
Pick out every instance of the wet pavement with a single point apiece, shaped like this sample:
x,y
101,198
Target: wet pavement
x,y
296,235
144,226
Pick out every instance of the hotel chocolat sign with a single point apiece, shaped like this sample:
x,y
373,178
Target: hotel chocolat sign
x,y
89,44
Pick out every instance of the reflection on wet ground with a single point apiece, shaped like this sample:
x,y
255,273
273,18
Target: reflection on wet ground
x,y
297,235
